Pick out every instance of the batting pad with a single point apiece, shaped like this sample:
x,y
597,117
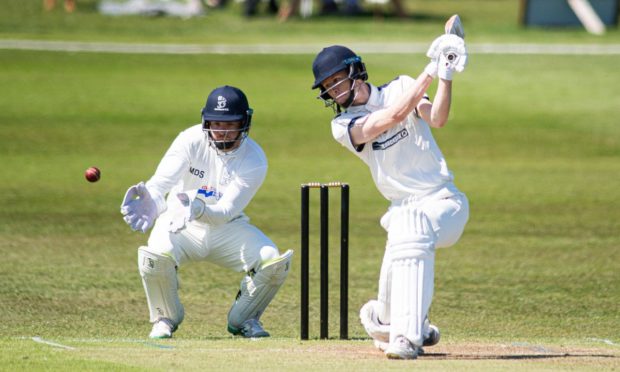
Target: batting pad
x,y
413,272
159,278
385,289
258,290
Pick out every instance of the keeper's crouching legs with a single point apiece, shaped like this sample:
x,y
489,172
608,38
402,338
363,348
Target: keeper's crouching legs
x,y
159,278
256,292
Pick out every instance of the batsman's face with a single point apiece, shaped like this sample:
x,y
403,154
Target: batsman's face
x,y
337,86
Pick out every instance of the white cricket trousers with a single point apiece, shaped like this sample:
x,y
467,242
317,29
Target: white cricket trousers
x,y
236,245
447,215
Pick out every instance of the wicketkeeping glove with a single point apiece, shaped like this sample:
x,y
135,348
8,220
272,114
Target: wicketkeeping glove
x,y
193,208
139,210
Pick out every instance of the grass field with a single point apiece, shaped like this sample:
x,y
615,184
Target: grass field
x,y
486,20
533,141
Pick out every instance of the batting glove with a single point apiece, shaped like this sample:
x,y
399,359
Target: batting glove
x,y
453,50
444,69
432,68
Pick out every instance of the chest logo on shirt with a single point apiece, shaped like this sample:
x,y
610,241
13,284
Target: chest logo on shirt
x,y
390,141
208,192
197,172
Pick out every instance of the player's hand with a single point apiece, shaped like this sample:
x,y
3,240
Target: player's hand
x,y
445,70
432,68
192,209
451,54
138,208
443,44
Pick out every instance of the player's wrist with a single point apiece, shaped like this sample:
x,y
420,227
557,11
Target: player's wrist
x,y
431,68
445,72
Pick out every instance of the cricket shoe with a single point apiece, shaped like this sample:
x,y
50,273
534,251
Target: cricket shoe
x,y
384,345
433,336
401,348
163,328
251,328
381,345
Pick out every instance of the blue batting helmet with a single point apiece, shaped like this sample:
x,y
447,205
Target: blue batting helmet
x,y
337,58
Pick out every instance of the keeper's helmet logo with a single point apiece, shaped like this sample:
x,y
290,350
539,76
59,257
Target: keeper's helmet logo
x,y
221,104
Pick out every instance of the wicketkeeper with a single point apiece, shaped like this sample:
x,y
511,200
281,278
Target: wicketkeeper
x,y
195,200
389,128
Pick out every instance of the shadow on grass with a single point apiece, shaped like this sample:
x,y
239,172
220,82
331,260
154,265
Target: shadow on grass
x,y
449,356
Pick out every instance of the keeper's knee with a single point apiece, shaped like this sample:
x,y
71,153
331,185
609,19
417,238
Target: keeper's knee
x,y
159,278
155,264
257,290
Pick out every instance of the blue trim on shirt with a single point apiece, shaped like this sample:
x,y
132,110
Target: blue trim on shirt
x,y
358,148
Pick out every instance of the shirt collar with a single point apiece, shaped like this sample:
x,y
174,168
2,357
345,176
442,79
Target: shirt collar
x,y
371,105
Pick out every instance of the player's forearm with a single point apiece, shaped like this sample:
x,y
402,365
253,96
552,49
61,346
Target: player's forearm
x,y
168,174
411,98
170,169
217,214
235,199
441,104
380,121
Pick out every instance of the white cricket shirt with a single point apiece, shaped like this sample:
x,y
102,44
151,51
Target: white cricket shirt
x,y
227,181
405,160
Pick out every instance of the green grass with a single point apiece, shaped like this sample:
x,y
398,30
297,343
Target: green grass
x,y
486,21
533,141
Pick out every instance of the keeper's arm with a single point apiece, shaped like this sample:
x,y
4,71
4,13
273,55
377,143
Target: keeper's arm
x,y
236,197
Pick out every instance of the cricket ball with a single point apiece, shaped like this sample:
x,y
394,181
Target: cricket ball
x,y
92,174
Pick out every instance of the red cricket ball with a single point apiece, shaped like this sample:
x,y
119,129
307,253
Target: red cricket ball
x,y
92,174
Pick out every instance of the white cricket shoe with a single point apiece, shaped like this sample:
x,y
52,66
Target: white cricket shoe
x,y
381,345
251,328
401,348
384,345
433,336
162,328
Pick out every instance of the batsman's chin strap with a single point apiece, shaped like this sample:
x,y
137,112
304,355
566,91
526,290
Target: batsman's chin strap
x,y
351,98
332,101
352,94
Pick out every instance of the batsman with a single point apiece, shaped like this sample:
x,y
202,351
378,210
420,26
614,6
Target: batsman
x,y
195,202
389,128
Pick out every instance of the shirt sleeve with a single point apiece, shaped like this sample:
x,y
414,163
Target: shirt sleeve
x,y
237,196
340,130
169,171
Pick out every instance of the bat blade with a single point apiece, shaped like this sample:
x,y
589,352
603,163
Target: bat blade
x,y
454,26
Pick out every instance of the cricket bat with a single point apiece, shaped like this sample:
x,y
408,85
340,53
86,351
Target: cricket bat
x,y
454,26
